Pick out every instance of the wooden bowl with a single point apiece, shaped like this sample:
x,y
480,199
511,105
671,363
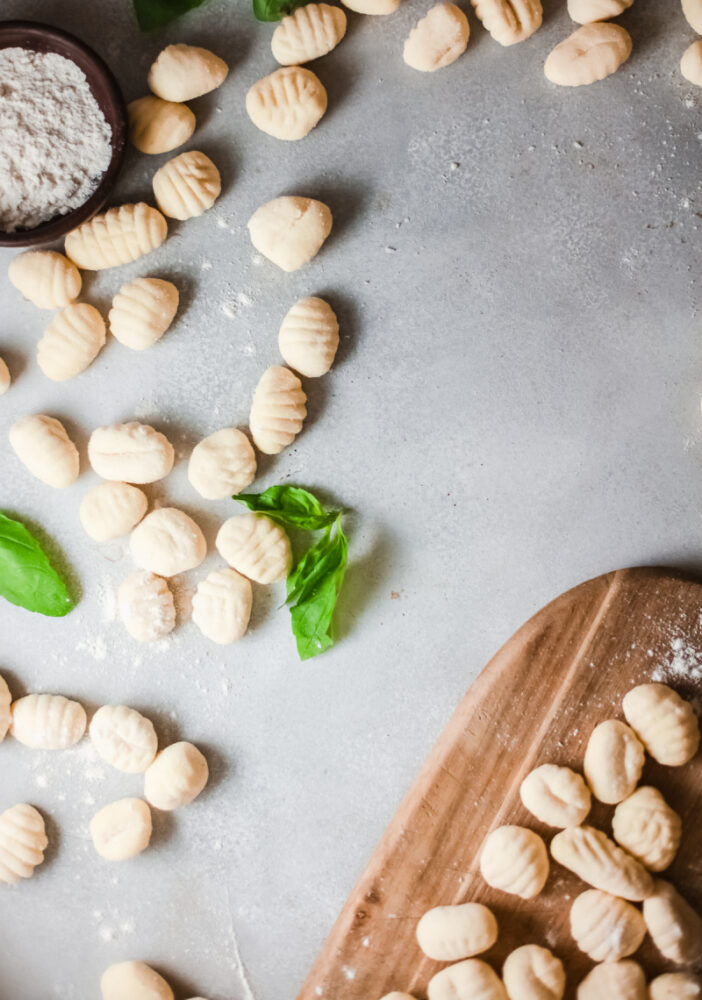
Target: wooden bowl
x,y
44,38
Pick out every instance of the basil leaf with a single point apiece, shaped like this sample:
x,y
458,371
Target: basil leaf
x,y
274,10
27,578
314,585
152,14
290,506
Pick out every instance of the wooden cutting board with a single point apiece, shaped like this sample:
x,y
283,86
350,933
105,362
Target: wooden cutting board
x,y
536,701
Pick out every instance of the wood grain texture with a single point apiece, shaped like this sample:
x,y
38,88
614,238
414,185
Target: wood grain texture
x,y
536,701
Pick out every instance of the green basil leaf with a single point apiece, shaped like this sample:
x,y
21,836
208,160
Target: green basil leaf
x,y
314,585
274,10
27,578
152,14
290,506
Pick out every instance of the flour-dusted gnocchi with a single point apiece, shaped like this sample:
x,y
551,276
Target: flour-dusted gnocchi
x,y
598,861
158,126
133,981
187,185
71,342
591,53
691,63
111,510
222,606
23,841
222,464
278,410
130,453
124,738
121,829
176,777
47,721
472,978
117,236
606,927
438,39
509,21
288,103
515,860
146,607
43,446
692,9
556,795
675,928
168,542
309,336
448,933
664,722
5,703
614,981
142,311
46,278
646,827
256,547
614,759
373,7
310,32
533,973
587,11
184,72
290,231
675,986
5,377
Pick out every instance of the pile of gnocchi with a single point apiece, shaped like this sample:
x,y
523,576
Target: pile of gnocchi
x,y
620,870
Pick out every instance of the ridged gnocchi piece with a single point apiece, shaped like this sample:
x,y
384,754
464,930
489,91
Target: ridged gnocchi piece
x,y
187,185
309,336
176,777
556,795
5,377
664,722
71,342
222,606
43,446
509,21
278,410
5,703
605,927
598,861
130,453
121,829
472,978
256,547
591,53
133,981
111,510
675,928
438,39
533,973
222,464
290,231
117,236
48,279
514,859
288,103
47,721
675,986
158,126
587,11
142,311
691,63
614,981
614,759
167,542
448,933
23,841
184,72
692,9
146,607
309,33
646,827
373,7
124,738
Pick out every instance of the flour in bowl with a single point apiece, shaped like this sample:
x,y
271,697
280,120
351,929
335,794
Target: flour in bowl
x,y
54,139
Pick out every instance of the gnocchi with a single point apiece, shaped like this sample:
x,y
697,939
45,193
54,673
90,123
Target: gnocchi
x,y
278,410
5,378
288,103
692,9
184,72
5,703
533,973
556,795
308,33
111,510
117,236
48,279
146,607
290,231
130,453
373,7
133,981
591,53
509,21
256,547
23,841
142,311
598,861
158,126
309,336
614,759
664,722
176,777
124,738
167,542
438,39
675,928
675,986
470,978
43,446
515,860
646,827
615,981
222,464
122,829
222,606
447,933
47,721
586,11
71,342
691,63
187,185
606,927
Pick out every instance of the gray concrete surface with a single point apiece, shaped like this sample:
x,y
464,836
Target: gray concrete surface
x,y
515,408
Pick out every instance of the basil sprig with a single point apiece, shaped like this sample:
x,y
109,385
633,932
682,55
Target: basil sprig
x,y
27,578
290,506
151,14
274,10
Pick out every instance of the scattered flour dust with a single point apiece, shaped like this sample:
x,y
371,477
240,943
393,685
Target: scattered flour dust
x,y
54,139
684,663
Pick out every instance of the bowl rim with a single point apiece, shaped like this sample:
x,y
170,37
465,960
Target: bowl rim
x,y
58,226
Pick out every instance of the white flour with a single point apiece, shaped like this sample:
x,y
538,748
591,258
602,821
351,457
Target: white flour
x,y
54,140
